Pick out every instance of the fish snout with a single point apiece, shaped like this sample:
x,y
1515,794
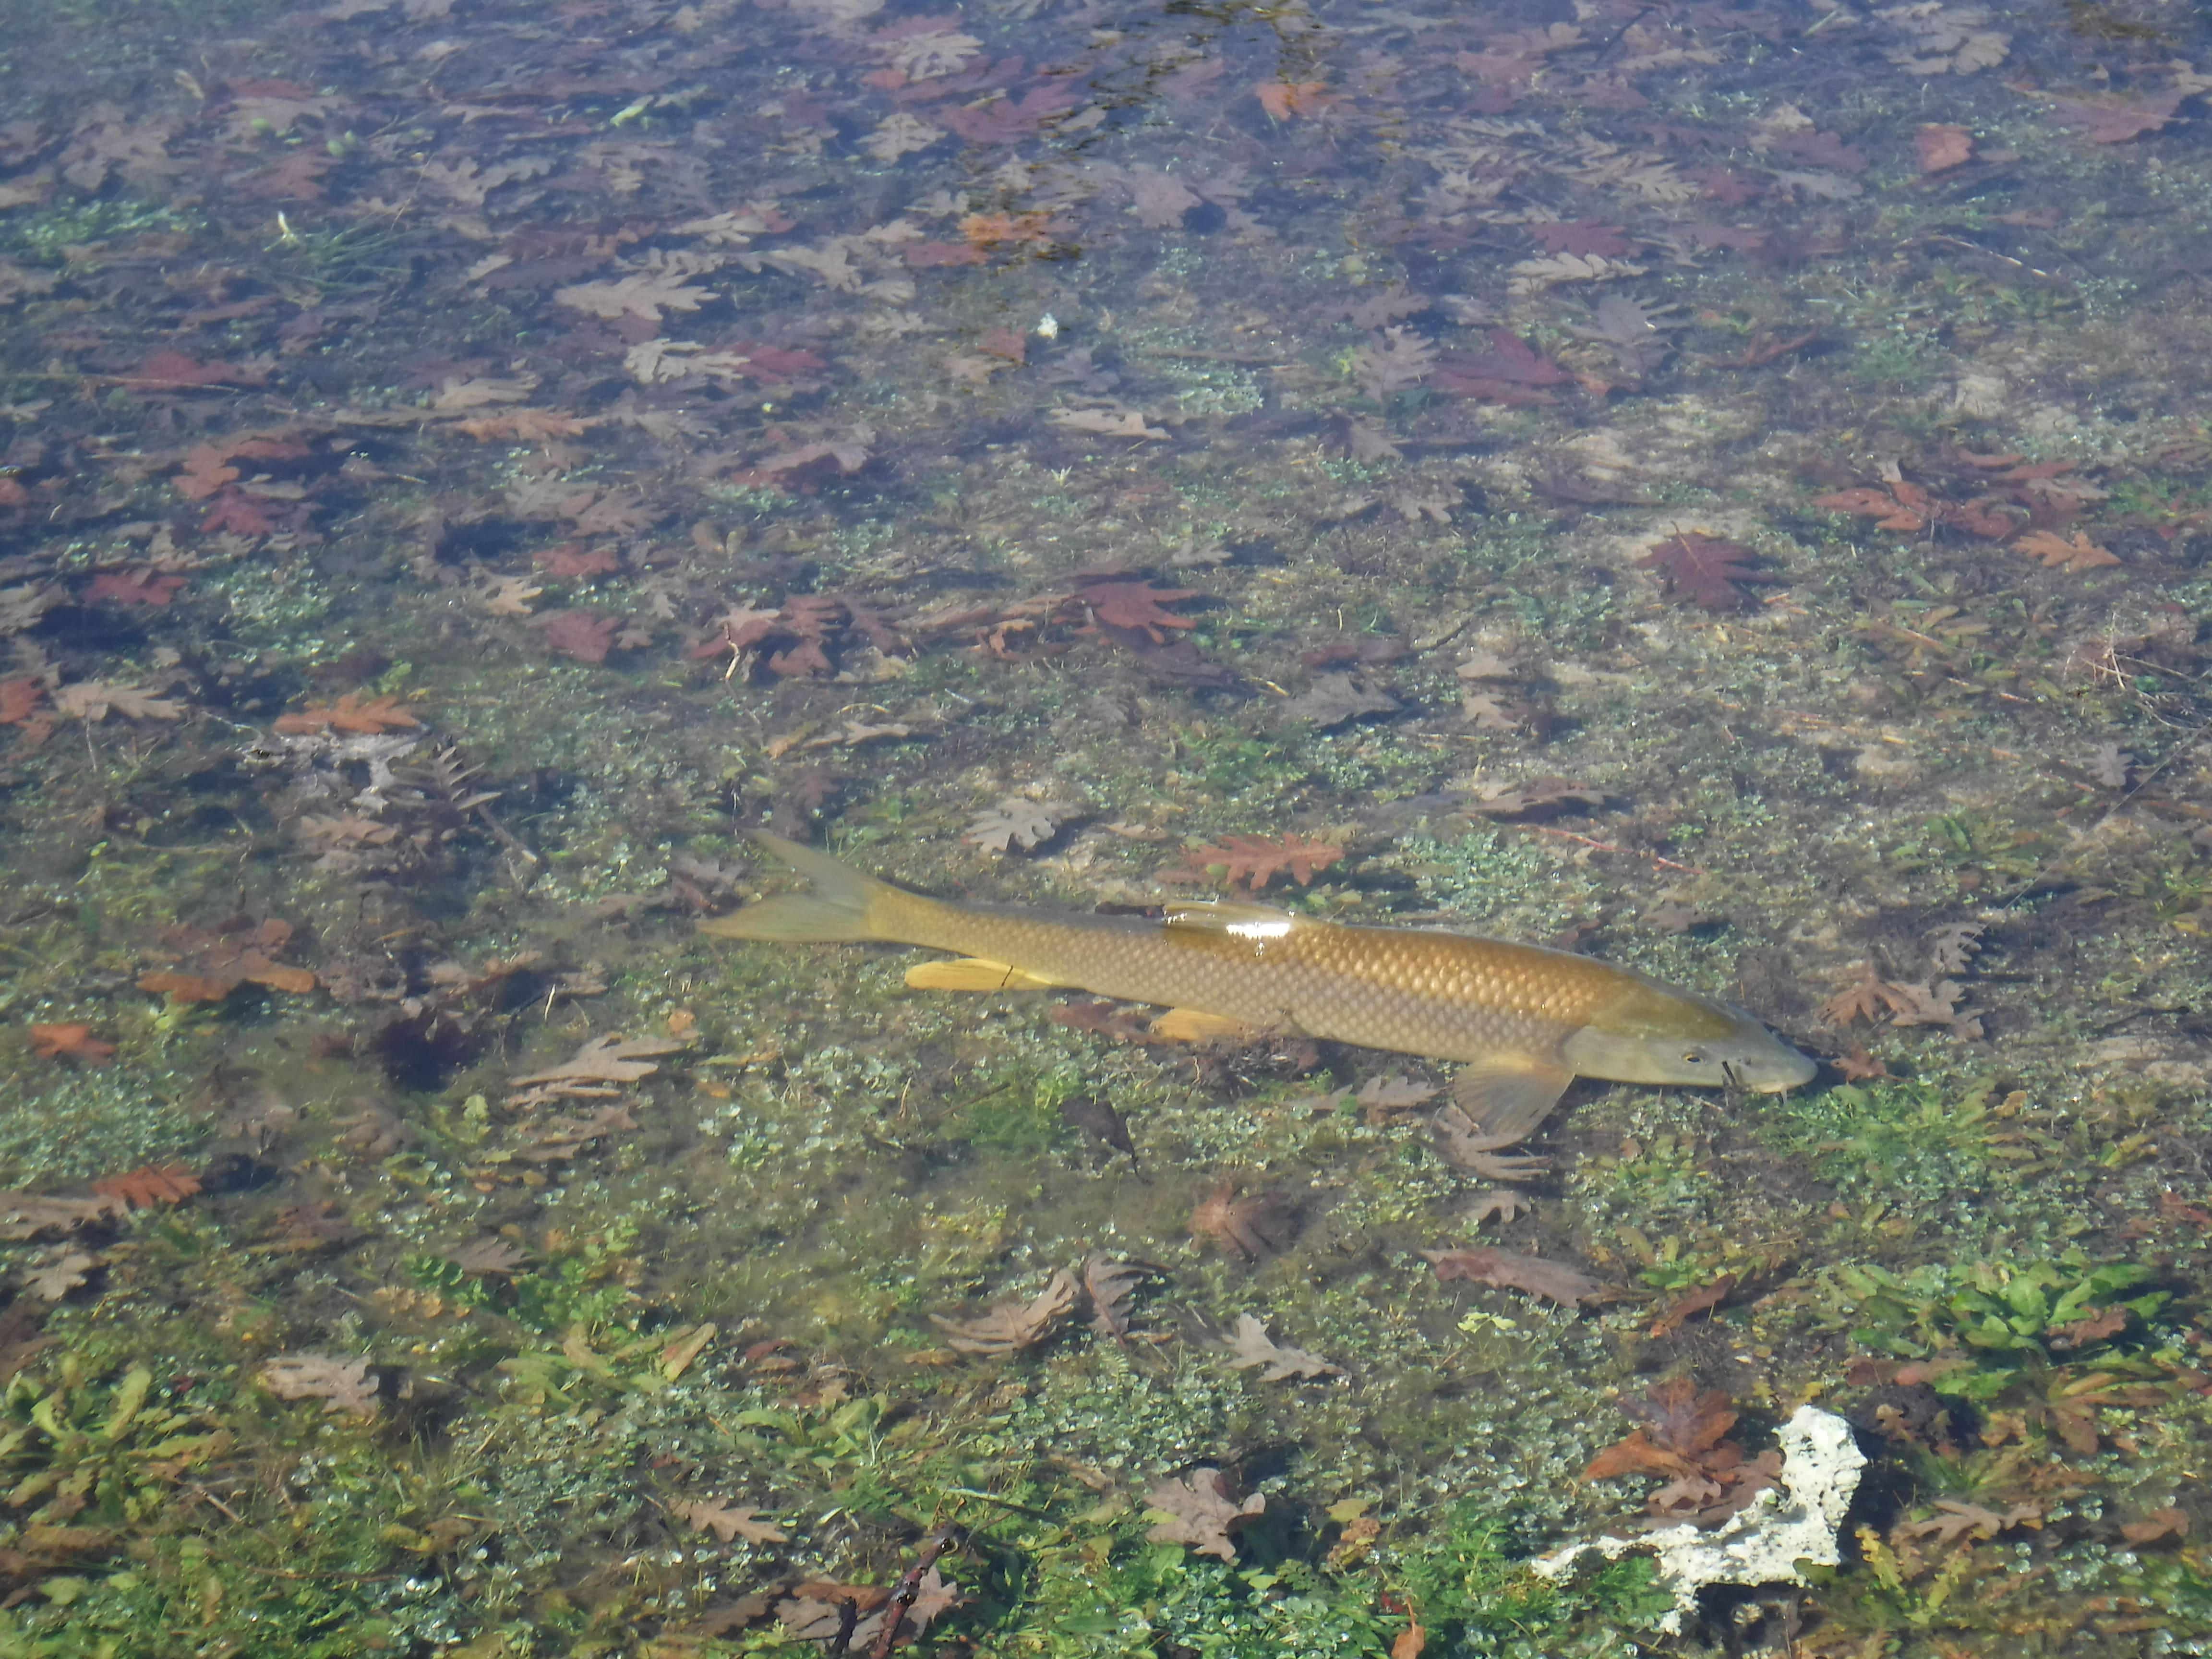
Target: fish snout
x,y
1776,1073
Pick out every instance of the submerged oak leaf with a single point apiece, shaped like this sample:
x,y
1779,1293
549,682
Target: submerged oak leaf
x,y
57,1277
1137,607
348,1384
1553,1280
1333,699
645,294
71,1042
1160,202
213,963
1255,860
2073,555
585,636
350,713
1107,423
1710,571
92,701
2116,120
1394,359
1198,1512
607,1059
1254,1226
27,1215
1110,1283
1015,821
1010,1327
142,1190
1249,1344
727,1523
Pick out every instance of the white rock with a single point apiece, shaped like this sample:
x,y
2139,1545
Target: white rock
x,y
1763,1543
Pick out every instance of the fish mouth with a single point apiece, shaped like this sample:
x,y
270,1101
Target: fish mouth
x,y
1778,1081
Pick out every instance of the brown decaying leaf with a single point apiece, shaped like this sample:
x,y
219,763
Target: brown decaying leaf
x,y
1249,1344
1710,571
1926,1002
58,1277
216,961
349,714
71,1042
26,1215
1696,1302
2116,120
727,1523
1463,1144
814,1613
1708,1476
1096,1117
585,636
348,1384
1015,820
1941,148
94,701
1953,1521
606,1059
1138,607
1380,1097
1109,1284
1255,1226
1255,860
141,1190
1509,1271
1010,1327
2168,1522
1201,1514
487,1256
2072,554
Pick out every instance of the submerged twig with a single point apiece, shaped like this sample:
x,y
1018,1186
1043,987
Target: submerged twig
x,y
934,1542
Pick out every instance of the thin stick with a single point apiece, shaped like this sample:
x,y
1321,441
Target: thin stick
x,y
934,1543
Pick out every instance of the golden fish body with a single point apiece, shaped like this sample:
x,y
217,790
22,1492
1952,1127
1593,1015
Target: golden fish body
x,y
1530,1018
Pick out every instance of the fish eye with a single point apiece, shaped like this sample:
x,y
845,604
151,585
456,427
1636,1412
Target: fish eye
x,y
1694,1058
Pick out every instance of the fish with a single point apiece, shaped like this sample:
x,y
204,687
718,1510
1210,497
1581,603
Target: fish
x,y
1523,1020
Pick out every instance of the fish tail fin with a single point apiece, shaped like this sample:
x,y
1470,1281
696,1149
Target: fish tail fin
x,y
845,904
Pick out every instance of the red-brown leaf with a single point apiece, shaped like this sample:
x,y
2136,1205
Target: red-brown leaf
x,y
71,1042
348,713
1255,860
132,588
1512,1271
20,699
1707,570
169,1183
1136,606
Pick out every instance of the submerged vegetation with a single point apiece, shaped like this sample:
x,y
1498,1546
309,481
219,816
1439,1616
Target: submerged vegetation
x,y
1719,486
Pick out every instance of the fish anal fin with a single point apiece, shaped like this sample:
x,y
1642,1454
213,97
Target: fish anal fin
x,y
972,974
1507,1099
1190,1025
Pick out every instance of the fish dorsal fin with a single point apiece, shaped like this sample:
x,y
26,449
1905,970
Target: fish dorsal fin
x,y
1239,919
972,974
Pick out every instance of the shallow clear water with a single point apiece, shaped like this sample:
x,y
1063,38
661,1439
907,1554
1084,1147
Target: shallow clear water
x,y
1722,488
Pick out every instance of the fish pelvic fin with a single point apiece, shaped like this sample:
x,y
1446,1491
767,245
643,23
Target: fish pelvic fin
x,y
972,974
1191,1025
845,904
1507,1099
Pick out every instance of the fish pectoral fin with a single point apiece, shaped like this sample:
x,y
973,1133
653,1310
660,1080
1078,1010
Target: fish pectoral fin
x,y
1507,1099
972,974
1189,1025
1247,921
